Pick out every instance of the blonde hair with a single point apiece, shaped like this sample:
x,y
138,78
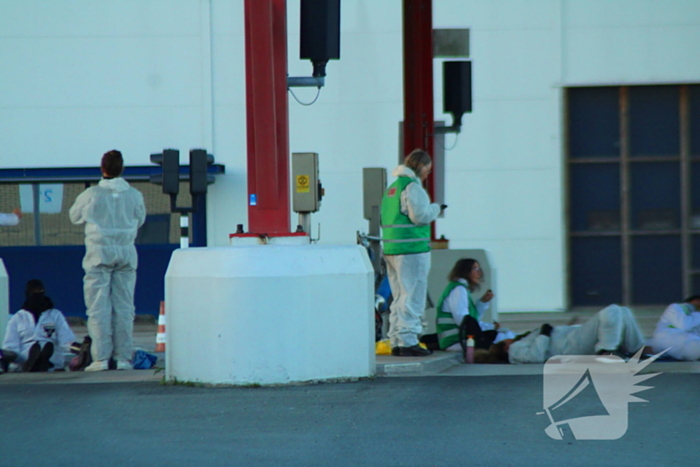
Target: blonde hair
x,y
417,160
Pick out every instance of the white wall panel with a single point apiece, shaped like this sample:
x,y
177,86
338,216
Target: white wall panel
x,y
80,77
90,18
66,137
508,134
631,41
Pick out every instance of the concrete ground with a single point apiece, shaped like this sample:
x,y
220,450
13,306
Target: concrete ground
x,y
384,422
442,414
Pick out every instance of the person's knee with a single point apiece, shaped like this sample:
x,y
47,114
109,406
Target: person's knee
x,y
611,314
691,348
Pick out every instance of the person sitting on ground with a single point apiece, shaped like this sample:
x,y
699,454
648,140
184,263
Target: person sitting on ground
x,y
11,218
678,330
457,307
611,330
38,333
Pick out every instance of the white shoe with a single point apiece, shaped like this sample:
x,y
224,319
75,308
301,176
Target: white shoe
x,y
124,365
100,365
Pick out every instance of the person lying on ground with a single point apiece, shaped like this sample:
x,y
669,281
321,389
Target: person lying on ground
x,y
38,333
611,330
678,330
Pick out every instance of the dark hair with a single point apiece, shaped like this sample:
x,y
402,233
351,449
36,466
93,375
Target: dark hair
x,y
416,160
495,354
691,298
461,270
112,163
35,300
33,286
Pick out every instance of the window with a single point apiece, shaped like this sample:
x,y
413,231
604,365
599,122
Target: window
x,y
633,158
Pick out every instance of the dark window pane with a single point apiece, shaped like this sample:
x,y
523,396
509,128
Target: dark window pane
x,y
595,196
594,122
695,120
695,262
656,270
656,195
596,271
654,113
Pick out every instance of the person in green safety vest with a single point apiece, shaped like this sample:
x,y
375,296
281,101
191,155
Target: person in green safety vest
x,y
457,302
406,214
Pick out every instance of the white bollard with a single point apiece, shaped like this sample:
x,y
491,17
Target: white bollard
x,y
269,314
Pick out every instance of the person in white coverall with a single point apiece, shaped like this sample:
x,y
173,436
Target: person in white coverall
x,y
406,214
611,329
112,213
11,218
678,330
38,333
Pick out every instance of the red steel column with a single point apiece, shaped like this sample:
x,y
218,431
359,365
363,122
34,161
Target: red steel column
x,y
418,126
267,116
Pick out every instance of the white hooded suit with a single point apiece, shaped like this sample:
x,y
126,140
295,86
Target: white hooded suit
x,y
611,328
112,213
679,329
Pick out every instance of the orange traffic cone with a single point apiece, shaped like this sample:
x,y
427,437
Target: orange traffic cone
x,y
160,337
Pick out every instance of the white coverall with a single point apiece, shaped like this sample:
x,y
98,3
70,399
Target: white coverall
x,y
611,328
112,212
9,219
22,332
457,304
679,329
408,274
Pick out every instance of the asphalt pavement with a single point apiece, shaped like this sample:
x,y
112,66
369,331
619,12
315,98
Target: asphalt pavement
x,y
444,414
418,421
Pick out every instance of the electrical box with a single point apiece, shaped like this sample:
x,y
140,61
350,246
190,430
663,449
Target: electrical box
x,y
306,187
373,188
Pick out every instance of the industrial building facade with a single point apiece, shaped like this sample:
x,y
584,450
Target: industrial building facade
x,y
577,169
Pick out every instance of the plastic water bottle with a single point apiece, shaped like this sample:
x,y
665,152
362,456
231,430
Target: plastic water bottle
x,y
469,354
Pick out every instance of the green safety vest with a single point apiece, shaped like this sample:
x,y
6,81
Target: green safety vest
x,y
399,235
445,326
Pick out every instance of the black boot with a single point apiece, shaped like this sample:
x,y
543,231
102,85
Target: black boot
x,y
414,351
34,352
43,363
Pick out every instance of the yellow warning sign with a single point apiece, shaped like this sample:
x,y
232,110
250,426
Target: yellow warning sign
x,y
303,184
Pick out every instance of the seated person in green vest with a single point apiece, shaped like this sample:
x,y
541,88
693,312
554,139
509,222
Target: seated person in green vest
x,y
456,306
406,214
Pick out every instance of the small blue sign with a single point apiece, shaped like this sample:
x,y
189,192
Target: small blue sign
x,y
253,200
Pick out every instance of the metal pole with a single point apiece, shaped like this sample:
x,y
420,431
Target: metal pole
x,y
685,168
184,230
267,116
625,198
37,214
419,126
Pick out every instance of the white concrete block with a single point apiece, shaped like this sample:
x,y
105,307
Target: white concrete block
x,y
269,314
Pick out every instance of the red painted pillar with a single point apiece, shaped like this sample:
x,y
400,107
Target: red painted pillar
x,y
267,116
418,126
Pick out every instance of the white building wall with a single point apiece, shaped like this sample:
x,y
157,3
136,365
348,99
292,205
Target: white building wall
x,y
80,77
